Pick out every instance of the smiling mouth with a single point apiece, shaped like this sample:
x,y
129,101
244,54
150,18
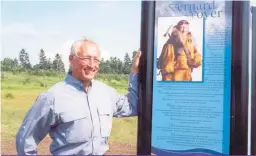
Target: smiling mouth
x,y
89,71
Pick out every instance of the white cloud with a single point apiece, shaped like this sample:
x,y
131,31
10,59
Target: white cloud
x,y
65,51
30,30
19,29
104,53
253,3
54,34
50,55
24,35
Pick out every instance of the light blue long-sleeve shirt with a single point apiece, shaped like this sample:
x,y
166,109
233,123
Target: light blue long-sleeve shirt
x,y
78,122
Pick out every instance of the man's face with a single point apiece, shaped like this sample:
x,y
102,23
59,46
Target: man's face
x,y
85,64
185,28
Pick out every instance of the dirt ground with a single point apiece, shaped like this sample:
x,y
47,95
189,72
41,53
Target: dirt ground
x,y
9,148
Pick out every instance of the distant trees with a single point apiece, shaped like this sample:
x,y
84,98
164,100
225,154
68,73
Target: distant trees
x,y
45,66
24,59
7,64
127,63
57,64
113,65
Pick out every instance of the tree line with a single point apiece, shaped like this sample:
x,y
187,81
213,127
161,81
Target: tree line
x,y
47,67
115,65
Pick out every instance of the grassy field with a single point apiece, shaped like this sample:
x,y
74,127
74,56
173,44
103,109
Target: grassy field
x,y
20,91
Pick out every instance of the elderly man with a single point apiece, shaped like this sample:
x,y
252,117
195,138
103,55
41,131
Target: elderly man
x,y
77,113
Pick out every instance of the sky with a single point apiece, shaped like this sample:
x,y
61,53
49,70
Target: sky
x,y
54,25
253,2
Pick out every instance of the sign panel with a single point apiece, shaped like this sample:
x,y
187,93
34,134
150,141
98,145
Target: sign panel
x,y
191,101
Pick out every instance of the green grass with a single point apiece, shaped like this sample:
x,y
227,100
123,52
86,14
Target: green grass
x,y
20,91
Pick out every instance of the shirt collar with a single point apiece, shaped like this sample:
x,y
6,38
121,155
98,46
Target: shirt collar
x,y
74,81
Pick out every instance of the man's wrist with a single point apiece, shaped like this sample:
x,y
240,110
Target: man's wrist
x,y
134,71
133,76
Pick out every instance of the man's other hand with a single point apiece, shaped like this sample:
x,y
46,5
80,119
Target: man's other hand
x,y
135,63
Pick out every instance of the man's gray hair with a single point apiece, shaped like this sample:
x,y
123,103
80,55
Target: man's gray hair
x,y
77,44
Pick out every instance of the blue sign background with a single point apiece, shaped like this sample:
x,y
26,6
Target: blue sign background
x,y
194,117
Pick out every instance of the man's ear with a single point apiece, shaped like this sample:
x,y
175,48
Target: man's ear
x,y
71,59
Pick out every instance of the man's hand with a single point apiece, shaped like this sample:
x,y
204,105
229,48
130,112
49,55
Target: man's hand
x,y
135,63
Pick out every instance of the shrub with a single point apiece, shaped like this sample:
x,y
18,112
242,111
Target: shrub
x,y
118,77
40,72
2,75
26,81
9,95
42,84
113,81
108,77
17,70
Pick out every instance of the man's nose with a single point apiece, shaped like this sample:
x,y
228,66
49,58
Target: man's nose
x,y
91,62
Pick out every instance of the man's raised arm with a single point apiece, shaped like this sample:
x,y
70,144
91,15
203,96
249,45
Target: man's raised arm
x,y
126,105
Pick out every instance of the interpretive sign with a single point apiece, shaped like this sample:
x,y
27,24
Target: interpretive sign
x,y
190,78
191,95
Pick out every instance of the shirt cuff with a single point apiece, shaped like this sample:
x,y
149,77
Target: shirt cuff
x,y
133,77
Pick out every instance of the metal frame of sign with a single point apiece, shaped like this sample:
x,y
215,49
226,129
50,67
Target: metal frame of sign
x,y
253,86
239,102
146,78
239,81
